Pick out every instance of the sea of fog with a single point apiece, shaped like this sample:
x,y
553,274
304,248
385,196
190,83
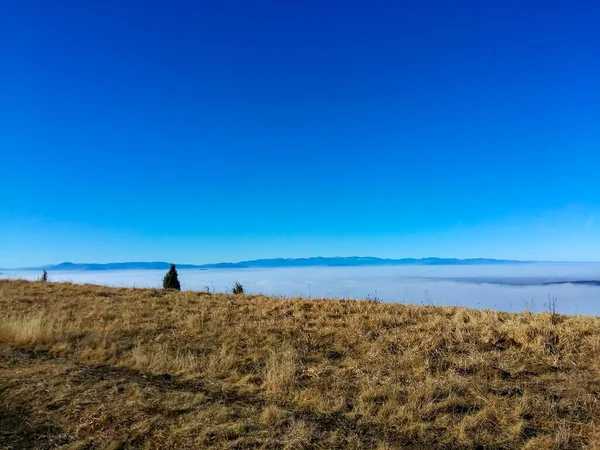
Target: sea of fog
x,y
501,287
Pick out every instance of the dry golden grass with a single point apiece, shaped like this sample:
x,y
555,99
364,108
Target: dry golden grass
x,y
86,366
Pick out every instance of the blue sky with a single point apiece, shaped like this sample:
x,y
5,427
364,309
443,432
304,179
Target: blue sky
x,y
212,131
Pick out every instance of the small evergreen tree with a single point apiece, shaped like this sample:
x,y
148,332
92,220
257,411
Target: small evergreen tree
x,y
170,281
44,276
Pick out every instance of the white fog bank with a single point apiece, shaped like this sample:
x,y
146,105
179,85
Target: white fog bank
x,y
501,287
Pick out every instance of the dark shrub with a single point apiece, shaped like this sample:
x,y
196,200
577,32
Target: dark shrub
x,y
238,288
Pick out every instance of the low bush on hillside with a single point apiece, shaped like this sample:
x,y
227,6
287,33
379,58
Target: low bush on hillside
x,y
238,288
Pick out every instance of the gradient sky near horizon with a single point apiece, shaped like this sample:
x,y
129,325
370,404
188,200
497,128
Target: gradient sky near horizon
x,y
220,131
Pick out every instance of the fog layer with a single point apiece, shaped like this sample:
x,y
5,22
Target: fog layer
x,y
508,288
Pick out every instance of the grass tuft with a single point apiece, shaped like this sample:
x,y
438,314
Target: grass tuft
x,y
27,330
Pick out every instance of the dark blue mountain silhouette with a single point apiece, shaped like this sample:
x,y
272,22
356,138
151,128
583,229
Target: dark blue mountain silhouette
x,y
349,261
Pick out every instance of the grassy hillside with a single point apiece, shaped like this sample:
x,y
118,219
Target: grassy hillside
x,y
93,367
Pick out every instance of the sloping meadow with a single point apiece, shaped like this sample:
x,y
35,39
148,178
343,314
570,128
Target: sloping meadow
x,y
96,367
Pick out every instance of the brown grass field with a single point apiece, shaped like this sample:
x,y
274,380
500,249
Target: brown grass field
x,y
85,366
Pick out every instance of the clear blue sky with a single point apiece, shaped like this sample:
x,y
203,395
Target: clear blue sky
x,y
217,131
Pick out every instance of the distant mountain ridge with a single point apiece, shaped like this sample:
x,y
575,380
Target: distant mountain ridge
x,y
347,261
116,266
